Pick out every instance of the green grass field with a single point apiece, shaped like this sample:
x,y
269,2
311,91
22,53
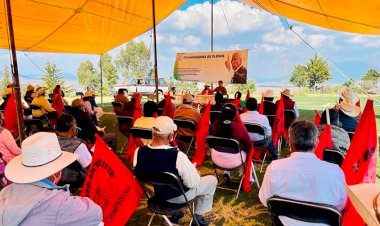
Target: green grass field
x,y
247,210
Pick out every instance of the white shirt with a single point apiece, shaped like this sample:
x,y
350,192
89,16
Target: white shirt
x,y
186,169
302,176
85,157
255,117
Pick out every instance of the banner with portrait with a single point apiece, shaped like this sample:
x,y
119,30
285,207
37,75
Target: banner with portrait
x,y
228,66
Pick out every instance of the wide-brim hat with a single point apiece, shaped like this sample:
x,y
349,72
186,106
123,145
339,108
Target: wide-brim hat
x,y
41,157
29,87
90,93
41,90
7,91
348,94
287,93
188,98
349,109
268,93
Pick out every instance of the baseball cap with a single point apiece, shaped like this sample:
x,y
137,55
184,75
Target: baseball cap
x,y
188,98
164,125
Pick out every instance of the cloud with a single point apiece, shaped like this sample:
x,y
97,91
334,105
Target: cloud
x,y
240,17
271,48
363,40
192,40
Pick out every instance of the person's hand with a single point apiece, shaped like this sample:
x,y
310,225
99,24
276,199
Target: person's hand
x,y
227,63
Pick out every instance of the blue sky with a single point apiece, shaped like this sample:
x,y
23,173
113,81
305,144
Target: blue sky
x,y
273,50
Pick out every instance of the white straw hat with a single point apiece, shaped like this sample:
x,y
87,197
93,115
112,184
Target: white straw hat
x,y
41,157
287,93
268,93
347,94
349,109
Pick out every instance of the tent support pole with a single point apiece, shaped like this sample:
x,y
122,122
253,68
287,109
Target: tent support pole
x,y
16,82
212,32
101,79
155,49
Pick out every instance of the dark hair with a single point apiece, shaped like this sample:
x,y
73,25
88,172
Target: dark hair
x,y
334,117
218,98
86,98
222,126
269,99
150,108
303,136
251,104
220,81
238,95
120,91
65,122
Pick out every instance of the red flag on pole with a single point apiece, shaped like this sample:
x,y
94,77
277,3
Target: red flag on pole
x,y
261,107
325,141
278,124
57,101
111,185
359,165
168,108
10,116
248,95
202,133
247,174
317,119
134,143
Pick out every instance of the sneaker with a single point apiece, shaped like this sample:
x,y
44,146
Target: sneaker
x,y
201,221
226,178
176,217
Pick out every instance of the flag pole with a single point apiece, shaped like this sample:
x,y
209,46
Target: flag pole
x,y
16,82
101,79
327,116
212,32
155,48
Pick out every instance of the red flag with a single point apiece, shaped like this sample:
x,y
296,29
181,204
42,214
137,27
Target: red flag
x,y
134,143
202,133
247,174
10,116
57,102
317,119
358,103
261,107
325,141
278,124
248,95
111,185
169,107
359,165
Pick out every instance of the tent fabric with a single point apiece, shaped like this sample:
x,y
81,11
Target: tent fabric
x,y
80,26
353,16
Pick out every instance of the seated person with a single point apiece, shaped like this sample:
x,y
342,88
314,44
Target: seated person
x,y
34,198
218,106
349,115
5,95
220,89
270,108
237,101
252,116
128,110
206,90
8,146
303,176
187,112
161,104
55,94
340,138
41,101
98,110
75,173
88,129
120,97
89,108
149,111
160,157
30,94
289,104
226,126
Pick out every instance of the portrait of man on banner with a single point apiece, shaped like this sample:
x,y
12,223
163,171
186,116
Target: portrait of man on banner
x,y
239,70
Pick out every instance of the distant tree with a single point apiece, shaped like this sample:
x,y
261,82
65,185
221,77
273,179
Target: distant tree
x,y
371,75
109,70
233,88
88,75
52,76
133,61
5,80
315,72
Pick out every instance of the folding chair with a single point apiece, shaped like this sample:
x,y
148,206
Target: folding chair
x,y
303,211
159,206
125,124
333,156
184,124
117,107
44,116
143,133
271,119
290,117
232,145
214,115
159,111
68,109
32,126
350,135
258,129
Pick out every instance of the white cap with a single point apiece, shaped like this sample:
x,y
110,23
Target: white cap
x,y
188,98
164,125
